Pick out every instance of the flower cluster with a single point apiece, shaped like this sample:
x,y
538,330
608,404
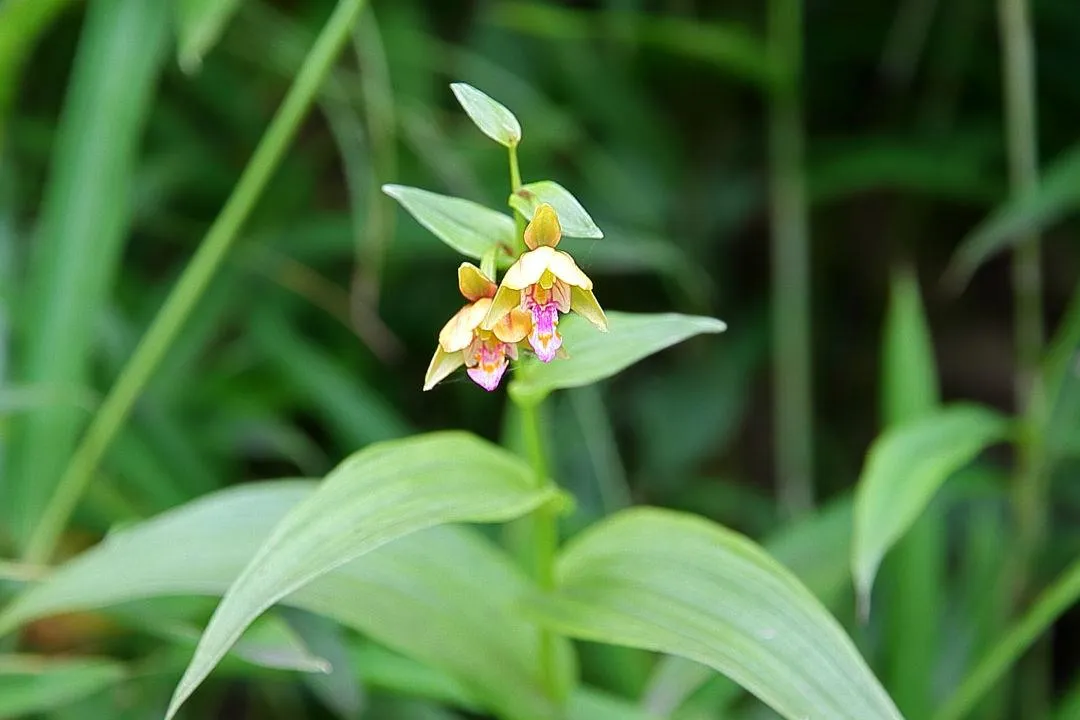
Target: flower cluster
x,y
522,313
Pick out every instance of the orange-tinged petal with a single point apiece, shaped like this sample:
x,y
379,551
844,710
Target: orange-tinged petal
x,y
458,332
563,267
584,303
442,364
544,229
505,300
514,326
473,283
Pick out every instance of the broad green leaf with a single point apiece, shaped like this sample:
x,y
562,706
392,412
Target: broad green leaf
x,y
574,220
595,355
82,224
384,492
493,119
1058,193
30,684
679,584
412,595
904,468
468,227
199,25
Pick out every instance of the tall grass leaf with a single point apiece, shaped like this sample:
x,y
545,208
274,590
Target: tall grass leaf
x,y
915,575
595,355
493,119
340,689
414,595
31,684
468,227
904,468
675,583
382,493
84,218
573,218
1058,193
199,25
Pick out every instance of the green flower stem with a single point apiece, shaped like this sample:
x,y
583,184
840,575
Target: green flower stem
x,y
545,532
790,264
193,282
515,185
1055,600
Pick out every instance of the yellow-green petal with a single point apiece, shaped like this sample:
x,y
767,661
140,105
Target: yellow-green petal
x,y
505,300
472,282
441,365
584,303
544,229
528,268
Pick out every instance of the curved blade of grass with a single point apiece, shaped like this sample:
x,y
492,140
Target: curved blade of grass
x,y
468,227
84,218
389,490
199,25
573,218
676,583
193,282
412,595
595,355
1057,194
31,684
904,468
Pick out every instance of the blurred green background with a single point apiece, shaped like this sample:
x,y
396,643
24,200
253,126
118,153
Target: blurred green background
x,y
313,339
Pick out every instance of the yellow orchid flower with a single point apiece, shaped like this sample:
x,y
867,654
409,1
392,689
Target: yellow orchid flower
x,y
544,282
462,341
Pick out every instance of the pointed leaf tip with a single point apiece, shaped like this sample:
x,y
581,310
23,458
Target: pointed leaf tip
x,y
492,117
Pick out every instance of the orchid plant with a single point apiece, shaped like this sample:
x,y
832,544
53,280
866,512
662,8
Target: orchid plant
x,y
381,545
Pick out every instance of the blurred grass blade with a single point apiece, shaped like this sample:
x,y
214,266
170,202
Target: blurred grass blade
x,y
193,282
387,491
1056,599
1061,381
199,25
412,595
492,117
728,48
574,219
84,219
904,468
915,575
1058,193
468,227
340,689
676,583
31,685
595,355
21,23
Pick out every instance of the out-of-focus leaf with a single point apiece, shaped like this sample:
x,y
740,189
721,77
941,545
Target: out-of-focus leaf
x,y
412,595
339,688
595,355
729,48
389,490
382,669
30,684
904,468
1061,378
573,218
1057,194
676,583
468,227
492,117
589,704
916,576
199,25
82,225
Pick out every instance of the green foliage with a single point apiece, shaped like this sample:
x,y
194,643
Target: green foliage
x,y
199,25
904,468
574,219
493,119
665,581
467,227
31,685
